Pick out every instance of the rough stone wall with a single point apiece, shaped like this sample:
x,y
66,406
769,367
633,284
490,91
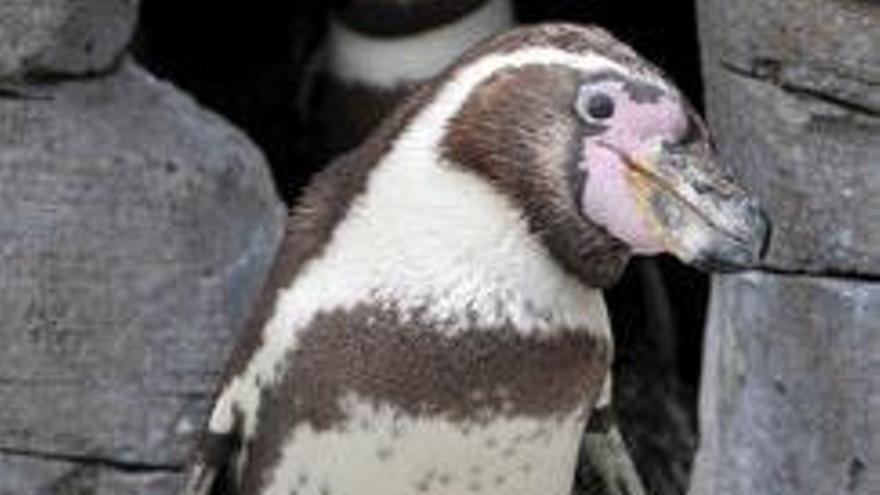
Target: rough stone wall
x,y
48,38
136,228
791,392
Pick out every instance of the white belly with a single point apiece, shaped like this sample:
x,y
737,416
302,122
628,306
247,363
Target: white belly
x,y
382,452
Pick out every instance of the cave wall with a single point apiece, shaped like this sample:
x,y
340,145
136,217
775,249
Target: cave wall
x,y
136,228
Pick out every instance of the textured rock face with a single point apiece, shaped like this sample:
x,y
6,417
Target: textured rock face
x,y
47,38
792,401
136,229
791,384
24,475
808,73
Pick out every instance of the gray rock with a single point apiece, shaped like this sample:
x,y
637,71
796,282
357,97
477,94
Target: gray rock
x,y
136,229
793,96
790,402
48,38
791,384
24,475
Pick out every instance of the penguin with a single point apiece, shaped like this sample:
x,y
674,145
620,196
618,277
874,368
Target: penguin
x,y
433,322
378,51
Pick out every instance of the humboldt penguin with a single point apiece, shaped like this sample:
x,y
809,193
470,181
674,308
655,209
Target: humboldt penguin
x,y
434,322
378,51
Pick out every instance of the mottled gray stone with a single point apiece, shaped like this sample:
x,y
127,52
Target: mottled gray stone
x,y
63,37
136,228
791,385
23,475
793,97
790,402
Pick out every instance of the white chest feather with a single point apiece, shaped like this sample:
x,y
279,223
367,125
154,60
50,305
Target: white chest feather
x,y
383,452
459,253
440,239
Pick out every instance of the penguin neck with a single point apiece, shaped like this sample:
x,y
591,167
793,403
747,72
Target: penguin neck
x,y
389,62
431,239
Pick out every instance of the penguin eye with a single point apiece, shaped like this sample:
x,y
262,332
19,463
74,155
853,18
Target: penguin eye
x,y
600,106
595,106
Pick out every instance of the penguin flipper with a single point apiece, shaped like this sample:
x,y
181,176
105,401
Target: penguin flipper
x,y
200,480
606,467
208,474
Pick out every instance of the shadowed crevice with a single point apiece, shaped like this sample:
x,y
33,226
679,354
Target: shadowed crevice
x,y
830,91
134,467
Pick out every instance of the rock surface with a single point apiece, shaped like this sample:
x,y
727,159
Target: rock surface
x,y
54,38
24,475
136,229
790,401
791,386
793,96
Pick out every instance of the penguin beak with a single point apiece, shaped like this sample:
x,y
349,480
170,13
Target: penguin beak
x,y
701,214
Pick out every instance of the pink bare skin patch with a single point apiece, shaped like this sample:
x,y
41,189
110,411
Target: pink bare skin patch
x,y
634,130
608,201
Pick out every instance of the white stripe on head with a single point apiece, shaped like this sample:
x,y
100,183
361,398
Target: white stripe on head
x,y
390,62
426,235
452,95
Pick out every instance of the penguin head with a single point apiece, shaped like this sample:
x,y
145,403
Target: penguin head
x,y
391,18
602,153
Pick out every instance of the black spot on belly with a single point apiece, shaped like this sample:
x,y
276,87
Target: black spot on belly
x,y
424,484
384,453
